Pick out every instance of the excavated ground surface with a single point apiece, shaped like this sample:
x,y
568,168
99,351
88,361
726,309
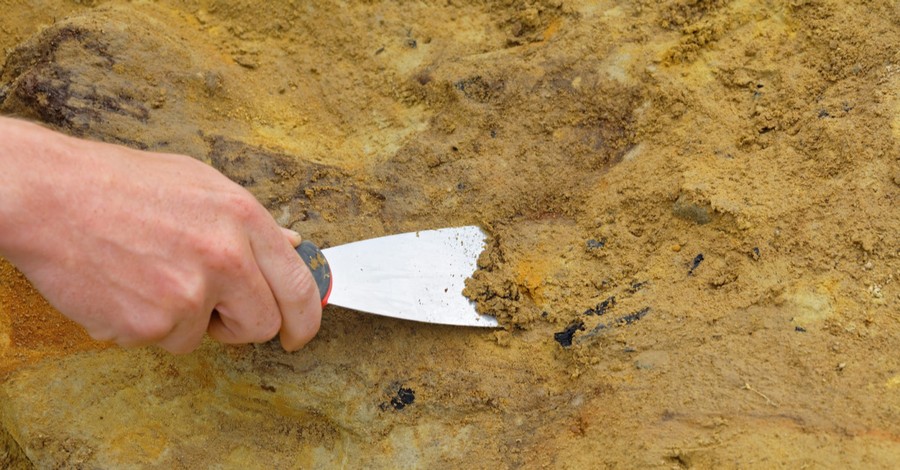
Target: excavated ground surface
x,y
693,207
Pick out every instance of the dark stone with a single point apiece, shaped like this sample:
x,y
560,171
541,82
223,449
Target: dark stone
x,y
564,337
696,262
405,396
602,307
633,317
636,286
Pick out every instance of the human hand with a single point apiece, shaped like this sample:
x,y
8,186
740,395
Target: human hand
x,y
147,248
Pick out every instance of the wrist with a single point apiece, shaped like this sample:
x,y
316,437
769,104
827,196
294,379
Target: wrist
x,y
33,170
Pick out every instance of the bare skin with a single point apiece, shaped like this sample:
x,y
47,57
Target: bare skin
x,y
146,248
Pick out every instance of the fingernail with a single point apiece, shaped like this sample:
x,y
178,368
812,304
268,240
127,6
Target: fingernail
x,y
293,236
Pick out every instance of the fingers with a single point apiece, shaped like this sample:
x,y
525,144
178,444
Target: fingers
x,y
237,318
187,335
292,285
247,311
179,336
299,328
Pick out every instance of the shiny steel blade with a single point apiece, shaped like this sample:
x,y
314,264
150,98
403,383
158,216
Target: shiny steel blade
x,y
414,276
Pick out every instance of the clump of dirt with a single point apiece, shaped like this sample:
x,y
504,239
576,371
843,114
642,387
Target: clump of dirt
x,y
691,205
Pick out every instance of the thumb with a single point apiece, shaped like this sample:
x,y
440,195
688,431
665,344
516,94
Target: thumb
x,y
292,236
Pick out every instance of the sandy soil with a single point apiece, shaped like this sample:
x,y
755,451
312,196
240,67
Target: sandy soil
x,y
693,207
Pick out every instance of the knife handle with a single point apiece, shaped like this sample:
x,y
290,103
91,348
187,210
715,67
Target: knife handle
x,y
318,266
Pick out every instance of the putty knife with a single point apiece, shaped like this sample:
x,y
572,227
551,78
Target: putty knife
x,y
414,276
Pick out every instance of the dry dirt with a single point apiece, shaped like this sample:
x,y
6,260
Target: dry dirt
x,y
693,207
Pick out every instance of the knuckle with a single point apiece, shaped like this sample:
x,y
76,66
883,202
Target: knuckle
x,y
244,206
191,297
229,258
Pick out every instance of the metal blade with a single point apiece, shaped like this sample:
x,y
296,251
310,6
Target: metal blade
x,y
414,276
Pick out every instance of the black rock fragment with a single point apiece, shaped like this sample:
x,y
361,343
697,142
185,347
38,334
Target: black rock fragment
x,y
405,396
696,262
602,307
633,317
564,337
636,286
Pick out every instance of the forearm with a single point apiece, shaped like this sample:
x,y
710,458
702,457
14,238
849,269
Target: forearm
x,y
28,155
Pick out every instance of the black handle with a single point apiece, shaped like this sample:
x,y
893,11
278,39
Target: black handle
x,y
318,266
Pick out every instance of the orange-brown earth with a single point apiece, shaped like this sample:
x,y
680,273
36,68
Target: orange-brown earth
x,y
693,207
